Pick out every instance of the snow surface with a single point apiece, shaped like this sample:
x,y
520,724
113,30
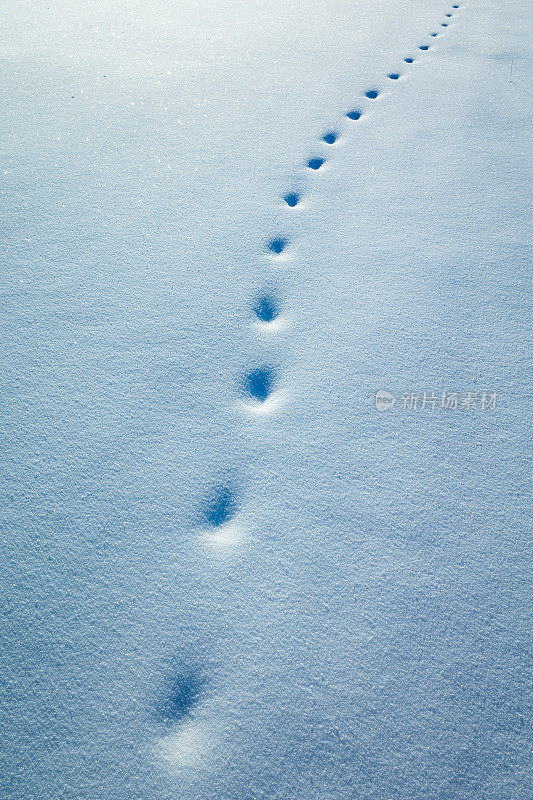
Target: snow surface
x,y
208,594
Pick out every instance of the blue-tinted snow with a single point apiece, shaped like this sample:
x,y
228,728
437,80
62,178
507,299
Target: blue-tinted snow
x,y
317,601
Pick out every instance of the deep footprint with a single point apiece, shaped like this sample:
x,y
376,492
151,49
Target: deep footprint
x,y
220,507
393,76
315,163
330,138
354,114
292,199
409,60
424,47
182,693
258,383
266,308
372,94
277,246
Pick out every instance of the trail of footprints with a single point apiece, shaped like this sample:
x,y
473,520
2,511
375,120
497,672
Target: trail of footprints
x,y
257,385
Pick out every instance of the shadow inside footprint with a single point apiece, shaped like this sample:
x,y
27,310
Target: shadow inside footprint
x,y
277,246
315,163
258,383
266,308
372,94
353,114
181,693
424,47
330,138
409,60
394,76
220,507
292,199
444,24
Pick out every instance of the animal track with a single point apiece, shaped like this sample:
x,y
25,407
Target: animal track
x,y
266,308
372,94
423,47
393,76
258,383
315,163
292,199
180,695
354,114
330,138
277,246
409,60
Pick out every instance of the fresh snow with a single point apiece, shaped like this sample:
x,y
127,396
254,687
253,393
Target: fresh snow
x,y
226,573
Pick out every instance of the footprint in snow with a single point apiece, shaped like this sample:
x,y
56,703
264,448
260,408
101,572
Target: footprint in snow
x,y
182,692
220,506
258,384
266,308
292,199
277,246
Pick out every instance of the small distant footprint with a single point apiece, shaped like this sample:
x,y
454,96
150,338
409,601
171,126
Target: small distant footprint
x,y
393,76
315,163
220,506
179,697
423,47
292,199
372,94
330,137
266,308
409,60
258,383
354,114
277,246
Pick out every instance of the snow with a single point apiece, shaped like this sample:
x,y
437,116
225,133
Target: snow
x,y
207,594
